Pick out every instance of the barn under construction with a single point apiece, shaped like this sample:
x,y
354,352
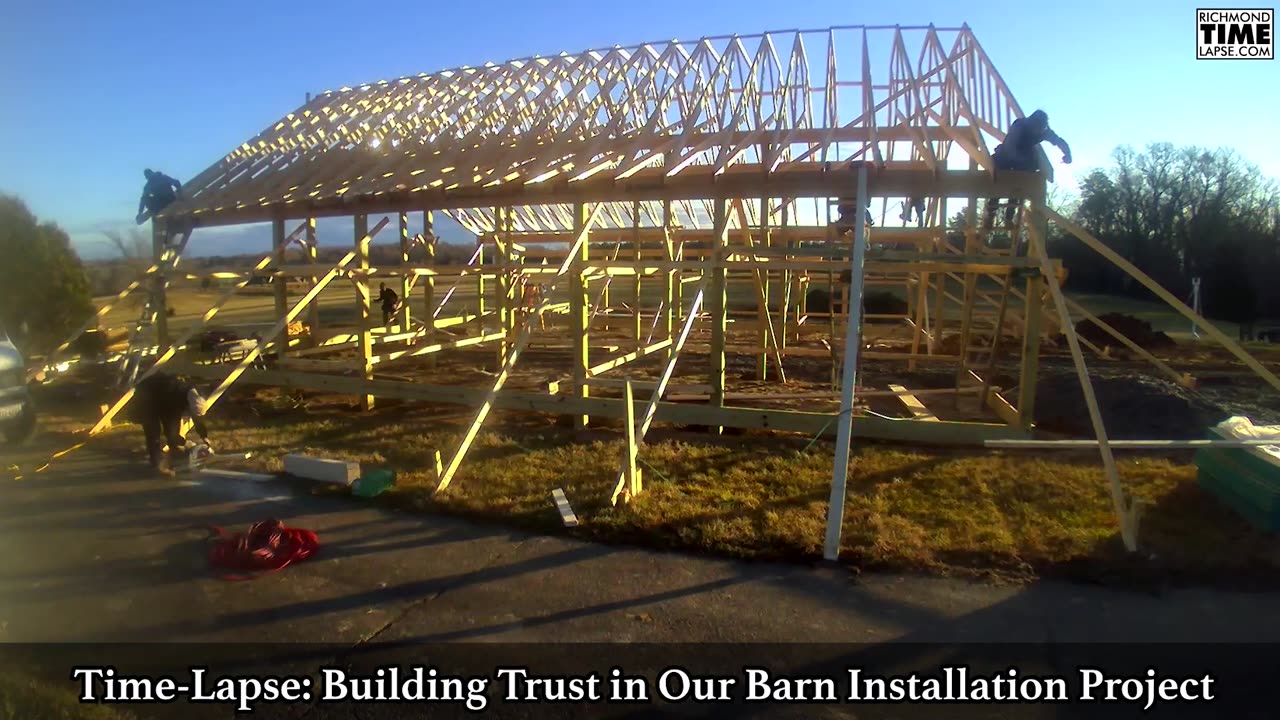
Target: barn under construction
x,y
677,225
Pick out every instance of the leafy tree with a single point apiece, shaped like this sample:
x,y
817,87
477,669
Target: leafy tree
x,y
44,291
1179,214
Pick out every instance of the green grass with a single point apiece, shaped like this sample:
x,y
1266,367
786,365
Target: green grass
x,y
761,497
25,698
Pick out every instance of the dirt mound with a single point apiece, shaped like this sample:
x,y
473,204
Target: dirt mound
x,y
1133,407
883,303
1139,331
874,303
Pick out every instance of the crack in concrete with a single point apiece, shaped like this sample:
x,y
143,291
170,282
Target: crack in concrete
x,y
418,604
310,707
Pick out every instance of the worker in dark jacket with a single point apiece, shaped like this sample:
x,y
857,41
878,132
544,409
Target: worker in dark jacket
x,y
390,303
159,405
159,192
1018,153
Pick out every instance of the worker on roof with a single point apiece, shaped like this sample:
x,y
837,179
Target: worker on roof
x,y
159,405
159,192
1018,153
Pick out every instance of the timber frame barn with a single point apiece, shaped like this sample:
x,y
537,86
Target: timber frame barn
x,y
722,181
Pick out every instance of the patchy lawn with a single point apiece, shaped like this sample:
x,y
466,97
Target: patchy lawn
x,y
758,496
25,698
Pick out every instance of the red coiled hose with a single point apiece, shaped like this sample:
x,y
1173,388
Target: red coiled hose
x,y
268,546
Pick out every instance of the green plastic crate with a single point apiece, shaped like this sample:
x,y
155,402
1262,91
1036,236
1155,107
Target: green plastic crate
x,y
1244,482
374,483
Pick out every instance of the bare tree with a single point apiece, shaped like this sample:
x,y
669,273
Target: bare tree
x,y
134,248
133,245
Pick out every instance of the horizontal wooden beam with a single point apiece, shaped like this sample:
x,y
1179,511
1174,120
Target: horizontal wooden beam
x,y
694,183
810,423
629,357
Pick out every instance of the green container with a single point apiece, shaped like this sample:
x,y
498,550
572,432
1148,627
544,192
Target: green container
x,y
374,483
1240,479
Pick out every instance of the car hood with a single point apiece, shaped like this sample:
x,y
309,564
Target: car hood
x,y
10,357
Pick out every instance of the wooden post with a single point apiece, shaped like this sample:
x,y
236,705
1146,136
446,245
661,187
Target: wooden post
x,y
921,311
506,285
719,301
784,308
762,301
405,286
280,283
429,283
362,299
634,485
159,286
480,278
939,309
313,258
1028,373
636,325
580,310
852,341
671,277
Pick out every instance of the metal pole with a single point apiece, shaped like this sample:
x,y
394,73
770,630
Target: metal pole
x,y
852,340
1195,304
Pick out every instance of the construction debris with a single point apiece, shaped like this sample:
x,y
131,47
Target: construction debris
x,y
337,472
566,511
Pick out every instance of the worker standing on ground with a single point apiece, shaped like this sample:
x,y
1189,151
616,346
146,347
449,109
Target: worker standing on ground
x,y
159,405
1018,153
390,301
159,192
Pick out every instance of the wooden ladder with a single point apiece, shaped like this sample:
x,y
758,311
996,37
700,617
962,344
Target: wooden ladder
x,y
131,362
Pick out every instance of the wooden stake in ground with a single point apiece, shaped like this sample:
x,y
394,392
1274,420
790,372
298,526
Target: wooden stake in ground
x,y
1124,513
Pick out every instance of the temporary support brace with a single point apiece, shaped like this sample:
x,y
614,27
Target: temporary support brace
x,y
289,317
852,341
1124,512
518,346
105,421
658,391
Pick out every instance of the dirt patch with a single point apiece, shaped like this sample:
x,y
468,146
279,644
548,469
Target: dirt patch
x,y
1139,331
1133,407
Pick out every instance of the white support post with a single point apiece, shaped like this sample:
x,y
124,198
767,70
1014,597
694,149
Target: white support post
x,y
1195,305
852,341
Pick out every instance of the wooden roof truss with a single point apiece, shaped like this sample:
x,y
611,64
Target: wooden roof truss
x,y
779,101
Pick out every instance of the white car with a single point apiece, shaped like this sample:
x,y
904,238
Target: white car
x,y
17,414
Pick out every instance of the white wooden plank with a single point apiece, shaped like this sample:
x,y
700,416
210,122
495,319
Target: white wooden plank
x,y
566,510
338,472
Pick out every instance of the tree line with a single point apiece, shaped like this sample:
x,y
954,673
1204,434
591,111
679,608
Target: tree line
x,y
1180,214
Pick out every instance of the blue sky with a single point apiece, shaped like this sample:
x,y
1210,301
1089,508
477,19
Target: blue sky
x,y
96,91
